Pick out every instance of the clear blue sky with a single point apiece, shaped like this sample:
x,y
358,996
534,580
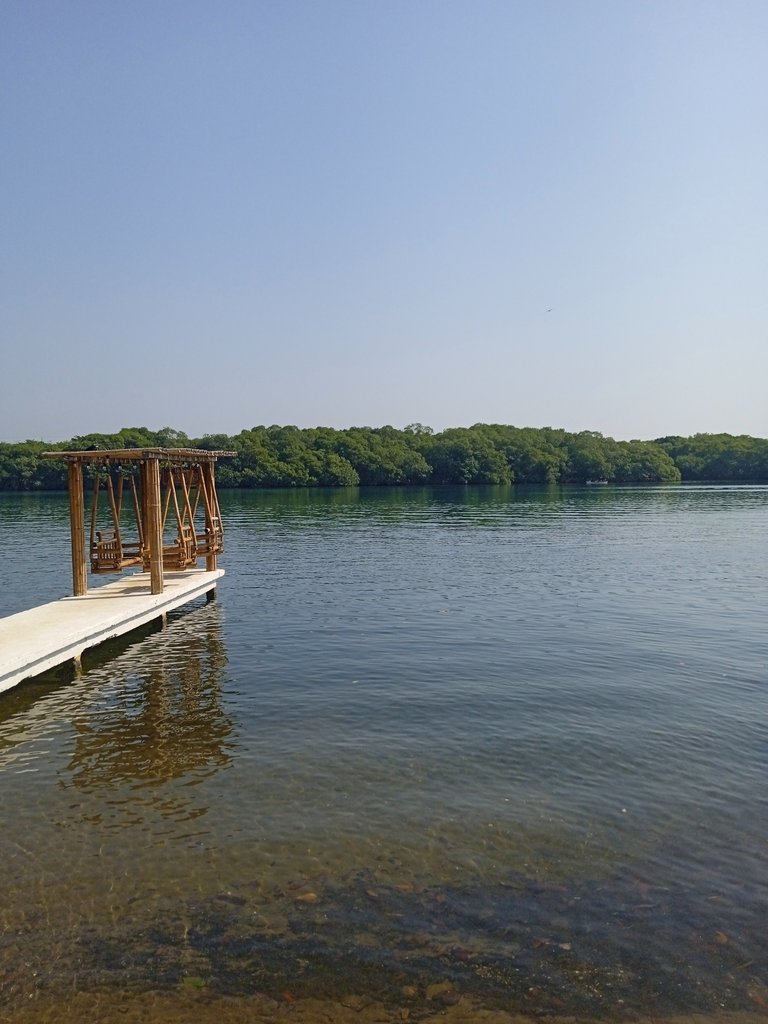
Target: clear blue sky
x,y
215,215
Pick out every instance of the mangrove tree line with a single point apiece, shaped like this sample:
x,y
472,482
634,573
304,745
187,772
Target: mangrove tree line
x,y
486,453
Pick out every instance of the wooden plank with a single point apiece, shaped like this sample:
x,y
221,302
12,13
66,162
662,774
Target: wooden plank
x,y
52,634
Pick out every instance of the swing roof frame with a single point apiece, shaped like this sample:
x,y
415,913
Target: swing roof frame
x,y
177,456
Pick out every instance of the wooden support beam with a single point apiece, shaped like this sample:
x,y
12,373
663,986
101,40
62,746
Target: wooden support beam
x,y
77,528
154,525
210,483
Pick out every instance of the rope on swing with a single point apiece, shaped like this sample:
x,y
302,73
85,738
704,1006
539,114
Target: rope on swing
x,y
211,541
108,551
178,555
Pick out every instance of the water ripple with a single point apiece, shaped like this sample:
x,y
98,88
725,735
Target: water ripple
x,y
437,692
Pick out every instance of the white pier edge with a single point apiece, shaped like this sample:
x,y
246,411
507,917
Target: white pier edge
x,y
34,641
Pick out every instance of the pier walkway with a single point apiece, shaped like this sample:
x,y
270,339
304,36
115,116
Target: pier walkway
x,y
52,634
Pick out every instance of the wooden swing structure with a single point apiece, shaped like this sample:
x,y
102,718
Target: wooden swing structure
x,y
151,508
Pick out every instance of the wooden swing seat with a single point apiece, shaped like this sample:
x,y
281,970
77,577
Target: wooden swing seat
x,y
211,541
177,556
110,554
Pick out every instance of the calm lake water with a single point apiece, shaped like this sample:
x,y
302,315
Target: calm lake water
x,y
429,745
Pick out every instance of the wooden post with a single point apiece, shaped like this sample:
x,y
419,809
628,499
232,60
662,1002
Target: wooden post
x,y
210,483
77,528
154,526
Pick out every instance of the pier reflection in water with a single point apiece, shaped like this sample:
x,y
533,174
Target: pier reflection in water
x,y
173,725
138,742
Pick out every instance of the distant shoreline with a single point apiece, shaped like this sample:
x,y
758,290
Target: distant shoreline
x,y
279,457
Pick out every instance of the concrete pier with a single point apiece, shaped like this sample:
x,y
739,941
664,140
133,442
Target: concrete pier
x,y
34,641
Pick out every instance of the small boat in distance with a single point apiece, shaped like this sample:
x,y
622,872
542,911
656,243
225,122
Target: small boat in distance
x,y
596,483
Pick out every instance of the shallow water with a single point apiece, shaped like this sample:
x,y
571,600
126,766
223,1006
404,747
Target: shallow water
x,y
504,747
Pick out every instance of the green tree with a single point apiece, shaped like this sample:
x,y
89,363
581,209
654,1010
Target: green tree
x,y
465,456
